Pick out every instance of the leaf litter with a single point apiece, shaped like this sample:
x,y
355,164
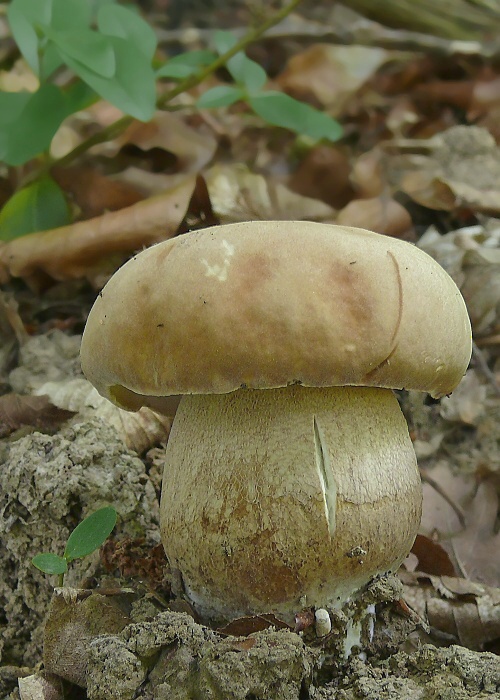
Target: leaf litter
x,y
419,161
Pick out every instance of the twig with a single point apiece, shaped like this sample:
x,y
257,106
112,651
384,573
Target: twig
x,y
438,489
483,366
117,127
359,31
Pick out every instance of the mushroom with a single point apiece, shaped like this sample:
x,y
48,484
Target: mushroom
x,y
290,477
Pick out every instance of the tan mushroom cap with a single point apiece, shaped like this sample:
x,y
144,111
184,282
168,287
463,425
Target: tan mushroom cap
x,y
271,303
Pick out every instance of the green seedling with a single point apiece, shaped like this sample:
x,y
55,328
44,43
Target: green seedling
x,y
88,536
85,50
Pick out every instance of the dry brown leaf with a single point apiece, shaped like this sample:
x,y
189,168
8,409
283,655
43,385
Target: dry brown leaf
x,y
135,558
324,174
17,411
467,612
148,183
466,404
330,74
476,548
461,170
472,257
402,117
481,288
78,250
244,644
243,626
432,558
485,96
193,148
438,516
381,214
12,332
139,430
367,174
304,619
240,195
93,192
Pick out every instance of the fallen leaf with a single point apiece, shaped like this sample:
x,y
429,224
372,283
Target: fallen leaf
x,y
462,170
476,547
78,250
94,193
134,558
12,332
193,148
303,620
367,174
330,74
243,626
139,430
432,558
324,174
471,256
381,214
240,195
468,613
244,644
466,404
17,411
438,516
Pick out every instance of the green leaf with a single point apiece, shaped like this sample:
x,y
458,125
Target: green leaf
x,y
247,72
78,96
24,16
185,64
70,14
220,96
282,110
244,71
224,41
12,105
193,58
50,563
90,533
90,49
50,61
133,87
37,207
28,122
95,5
115,20
176,71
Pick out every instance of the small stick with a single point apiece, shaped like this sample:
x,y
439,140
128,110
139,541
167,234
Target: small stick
x,y
438,488
483,366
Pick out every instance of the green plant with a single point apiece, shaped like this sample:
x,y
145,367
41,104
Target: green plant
x,y
83,50
273,107
88,536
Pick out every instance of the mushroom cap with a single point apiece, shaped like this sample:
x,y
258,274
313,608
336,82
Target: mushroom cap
x,y
268,304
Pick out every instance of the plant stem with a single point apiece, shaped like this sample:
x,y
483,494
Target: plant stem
x,y
117,127
60,580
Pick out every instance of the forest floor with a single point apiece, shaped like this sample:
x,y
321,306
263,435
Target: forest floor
x,y
418,160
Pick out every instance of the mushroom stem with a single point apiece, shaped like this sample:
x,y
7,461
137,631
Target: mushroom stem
x,y
281,498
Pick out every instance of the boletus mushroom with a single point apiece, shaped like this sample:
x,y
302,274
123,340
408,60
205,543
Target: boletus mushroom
x,y
290,477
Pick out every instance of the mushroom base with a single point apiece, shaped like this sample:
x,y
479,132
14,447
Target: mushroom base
x,y
279,499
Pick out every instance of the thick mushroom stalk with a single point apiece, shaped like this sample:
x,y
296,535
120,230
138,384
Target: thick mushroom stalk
x,y
276,499
290,476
